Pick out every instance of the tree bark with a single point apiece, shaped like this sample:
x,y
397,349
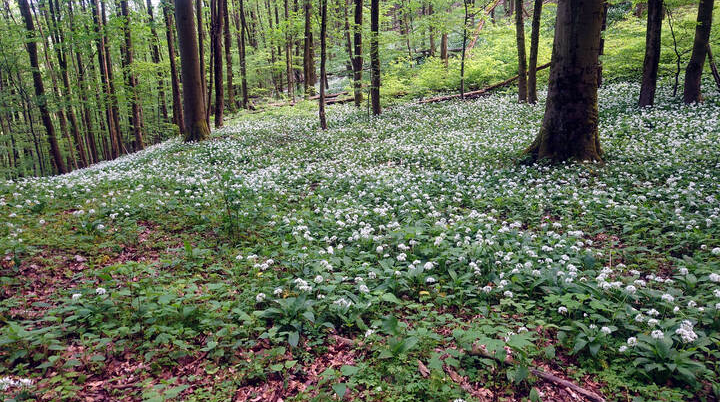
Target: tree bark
x,y
216,38
240,20
288,51
307,53
131,81
375,56
693,72
357,54
570,126
178,118
228,56
196,127
522,60
652,53
201,51
40,89
323,33
713,67
444,48
534,48
156,59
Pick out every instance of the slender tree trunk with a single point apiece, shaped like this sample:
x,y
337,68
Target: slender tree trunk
x,y
570,126
178,118
216,38
358,54
652,53
228,56
323,33
241,48
288,52
93,156
713,66
693,72
431,33
196,127
522,61
201,52
348,36
60,51
375,56
131,79
444,48
112,128
464,46
40,89
156,59
534,48
307,54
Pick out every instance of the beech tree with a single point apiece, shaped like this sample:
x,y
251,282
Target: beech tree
x,y
652,52
570,125
522,61
693,72
534,48
375,56
196,127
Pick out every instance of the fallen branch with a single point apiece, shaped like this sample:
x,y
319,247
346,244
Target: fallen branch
x,y
480,26
478,350
479,92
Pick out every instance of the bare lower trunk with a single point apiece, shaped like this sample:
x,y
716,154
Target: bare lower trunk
x,y
178,117
652,53
323,33
534,48
375,56
357,54
522,61
693,72
570,126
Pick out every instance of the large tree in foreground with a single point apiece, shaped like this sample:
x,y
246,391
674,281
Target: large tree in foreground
x,y
694,70
196,127
570,126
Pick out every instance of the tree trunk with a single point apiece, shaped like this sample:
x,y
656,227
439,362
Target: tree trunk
x,y
196,127
241,48
288,51
375,56
112,128
130,78
178,118
156,59
652,53
693,72
713,67
59,45
444,48
570,126
323,33
357,53
228,56
464,47
602,42
40,89
201,51
522,60
348,37
307,54
534,48
216,32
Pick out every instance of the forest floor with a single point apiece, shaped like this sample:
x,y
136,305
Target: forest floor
x,y
413,256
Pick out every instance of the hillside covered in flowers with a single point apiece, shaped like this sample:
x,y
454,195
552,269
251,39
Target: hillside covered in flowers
x,y
410,256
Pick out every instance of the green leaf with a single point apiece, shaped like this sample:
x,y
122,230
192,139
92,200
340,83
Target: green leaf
x,y
293,338
340,389
349,371
521,373
389,297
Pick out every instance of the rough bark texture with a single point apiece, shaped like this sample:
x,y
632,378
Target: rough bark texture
x,y
178,118
693,73
196,127
40,89
652,53
570,126
375,56
534,47
522,60
357,54
323,33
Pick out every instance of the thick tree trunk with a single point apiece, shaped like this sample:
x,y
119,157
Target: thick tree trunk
x,y
534,48
357,54
652,53
216,38
570,126
693,72
40,89
196,127
178,118
201,51
522,60
136,118
323,33
375,56
602,42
